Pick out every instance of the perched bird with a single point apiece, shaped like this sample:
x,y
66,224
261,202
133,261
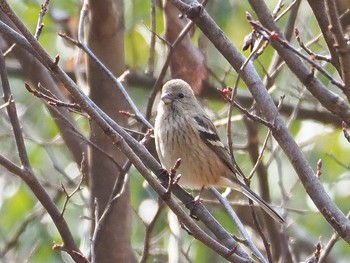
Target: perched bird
x,y
183,130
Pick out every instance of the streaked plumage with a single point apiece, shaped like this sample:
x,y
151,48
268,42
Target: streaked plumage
x,y
183,130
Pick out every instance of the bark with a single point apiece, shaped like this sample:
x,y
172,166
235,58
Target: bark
x,y
106,40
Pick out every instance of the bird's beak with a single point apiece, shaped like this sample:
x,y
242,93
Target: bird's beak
x,y
166,98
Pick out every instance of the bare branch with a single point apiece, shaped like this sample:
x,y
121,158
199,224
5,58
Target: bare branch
x,y
313,187
40,24
149,231
238,223
340,44
27,175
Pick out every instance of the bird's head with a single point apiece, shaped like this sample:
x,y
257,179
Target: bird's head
x,y
177,92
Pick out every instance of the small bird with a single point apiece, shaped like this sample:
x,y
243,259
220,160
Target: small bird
x,y
183,130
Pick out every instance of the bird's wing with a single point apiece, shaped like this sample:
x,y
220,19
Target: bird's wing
x,y
209,135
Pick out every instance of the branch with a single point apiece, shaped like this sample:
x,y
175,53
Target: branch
x,y
319,10
80,44
340,44
134,151
272,35
160,78
265,103
149,231
40,24
327,98
239,224
27,175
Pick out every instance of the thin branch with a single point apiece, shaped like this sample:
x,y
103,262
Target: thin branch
x,y
247,240
40,24
328,248
34,216
149,231
80,44
275,36
164,69
152,51
69,196
3,106
27,175
312,54
51,99
346,166
12,113
257,163
340,44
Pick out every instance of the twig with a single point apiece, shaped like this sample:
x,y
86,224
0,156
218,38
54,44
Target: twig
x,y
340,44
40,25
173,178
151,59
257,224
149,231
271,34
319,168
327,249
268,135
27,175
13,241
246,112
9,50
69,196
316,255
309,51
12,113
285,11
238,223
52,100
80,44
345,132
164,69
3,106
346,166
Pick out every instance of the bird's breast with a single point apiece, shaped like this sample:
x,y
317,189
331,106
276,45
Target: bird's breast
x,y
200,166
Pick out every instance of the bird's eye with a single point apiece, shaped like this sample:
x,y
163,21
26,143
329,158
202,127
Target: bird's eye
x,y
181,95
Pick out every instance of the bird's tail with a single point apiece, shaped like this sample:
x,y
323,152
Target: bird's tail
x,y
263,204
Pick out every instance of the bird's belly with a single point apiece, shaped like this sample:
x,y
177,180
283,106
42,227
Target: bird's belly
x,y
200,166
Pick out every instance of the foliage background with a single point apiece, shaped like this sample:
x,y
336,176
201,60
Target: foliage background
x,y
54,165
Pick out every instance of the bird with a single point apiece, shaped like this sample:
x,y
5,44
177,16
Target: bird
x,y
182,129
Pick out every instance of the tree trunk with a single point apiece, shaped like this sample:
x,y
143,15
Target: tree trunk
x,y
106,40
